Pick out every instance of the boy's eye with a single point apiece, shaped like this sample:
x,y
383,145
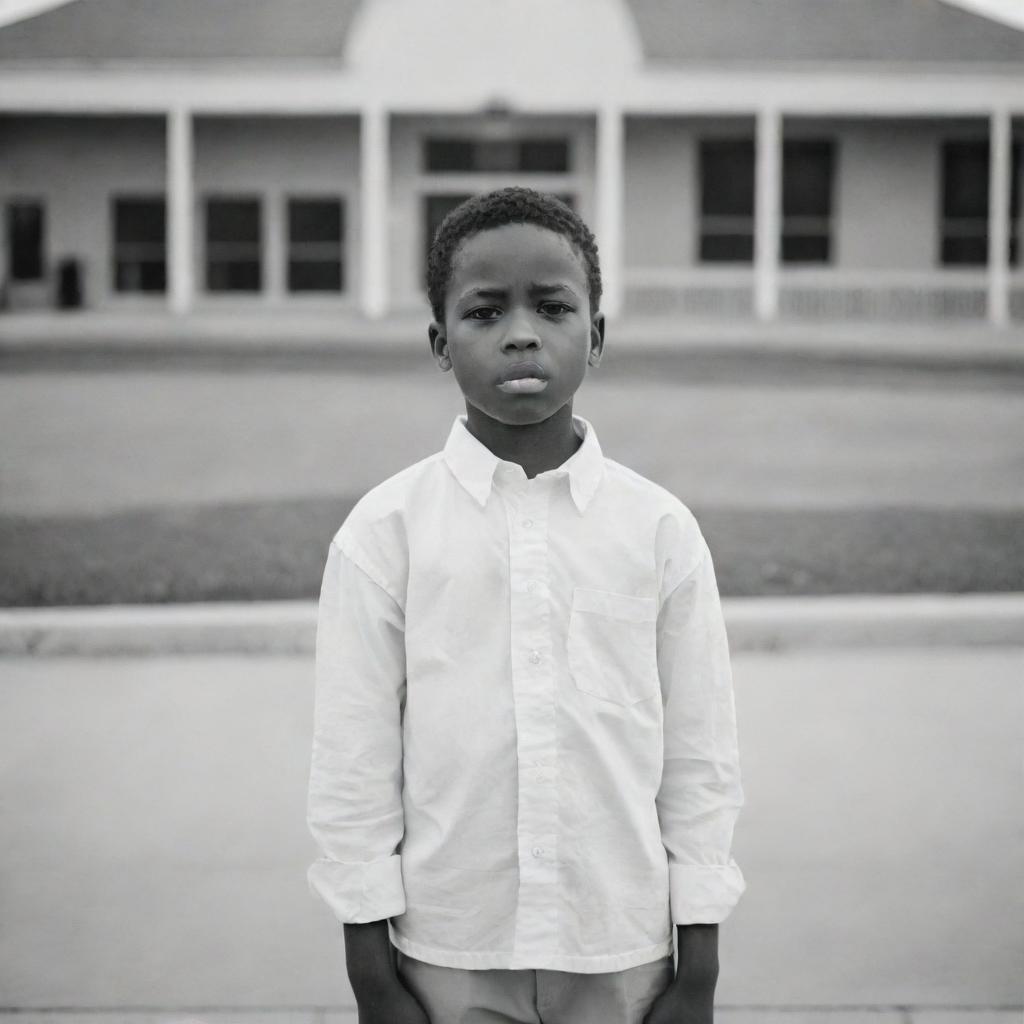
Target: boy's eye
x,y
484,313
555,308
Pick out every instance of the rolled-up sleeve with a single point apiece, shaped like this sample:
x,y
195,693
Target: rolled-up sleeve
x,y
701,794
355,788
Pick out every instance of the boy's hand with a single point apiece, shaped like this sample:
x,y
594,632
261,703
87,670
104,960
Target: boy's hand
x,y
380,995
390,1003
683,1003
690,999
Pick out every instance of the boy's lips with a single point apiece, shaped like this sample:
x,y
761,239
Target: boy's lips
x,y
523,379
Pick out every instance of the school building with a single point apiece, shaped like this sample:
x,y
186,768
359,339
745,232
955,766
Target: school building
x,y
758,159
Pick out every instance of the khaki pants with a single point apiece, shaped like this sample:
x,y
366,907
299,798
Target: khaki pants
x,y
454,996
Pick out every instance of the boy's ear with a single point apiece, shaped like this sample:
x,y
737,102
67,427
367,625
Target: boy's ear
x,y
439,345
596,339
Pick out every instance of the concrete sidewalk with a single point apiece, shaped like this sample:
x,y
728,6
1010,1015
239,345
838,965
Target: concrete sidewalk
x,y
155,845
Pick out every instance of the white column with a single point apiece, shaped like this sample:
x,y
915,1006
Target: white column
x,y
999,218
274,246
767,213
374,185
180,210
610,200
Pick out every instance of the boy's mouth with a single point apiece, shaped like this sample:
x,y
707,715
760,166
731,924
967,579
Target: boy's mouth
x,y
523,379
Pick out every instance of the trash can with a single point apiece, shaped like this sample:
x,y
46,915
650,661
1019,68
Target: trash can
x,y
69,283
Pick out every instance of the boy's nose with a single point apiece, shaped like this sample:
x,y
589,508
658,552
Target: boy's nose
x,y
521,333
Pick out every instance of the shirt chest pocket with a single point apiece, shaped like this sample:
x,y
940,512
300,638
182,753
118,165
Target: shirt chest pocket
x,y
612,645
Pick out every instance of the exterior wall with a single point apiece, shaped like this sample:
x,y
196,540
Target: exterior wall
x,y
662,189
275,157
409,184
886,224
883,167
887,203
74,165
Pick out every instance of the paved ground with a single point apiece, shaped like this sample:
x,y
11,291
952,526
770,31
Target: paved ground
x,y
154,853
94,441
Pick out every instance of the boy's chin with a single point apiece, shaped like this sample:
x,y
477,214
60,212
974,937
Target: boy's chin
x,y
519,411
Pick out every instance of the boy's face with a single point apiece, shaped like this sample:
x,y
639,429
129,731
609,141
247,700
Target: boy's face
x,y
518,329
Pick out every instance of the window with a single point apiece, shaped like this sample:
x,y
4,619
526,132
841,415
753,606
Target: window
x,y
233,245
726,201
964,233
437,207
26,230
316,231
140,244
523,156
807,173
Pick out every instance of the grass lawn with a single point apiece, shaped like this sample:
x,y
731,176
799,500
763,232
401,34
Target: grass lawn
x,y
276,550
190,482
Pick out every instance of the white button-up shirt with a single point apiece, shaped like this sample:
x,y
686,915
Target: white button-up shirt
x,y
525,740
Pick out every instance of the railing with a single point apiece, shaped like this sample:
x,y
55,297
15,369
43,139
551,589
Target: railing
x,y
816,293
707,292
812,293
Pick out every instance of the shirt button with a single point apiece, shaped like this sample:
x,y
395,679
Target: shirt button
x,y
535,657
532,585
527,523
538,851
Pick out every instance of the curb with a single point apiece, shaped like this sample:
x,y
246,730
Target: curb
x,y
289,627
348,337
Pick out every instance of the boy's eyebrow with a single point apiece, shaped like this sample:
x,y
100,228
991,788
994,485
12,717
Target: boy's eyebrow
x,y
547,289
536,288
484,293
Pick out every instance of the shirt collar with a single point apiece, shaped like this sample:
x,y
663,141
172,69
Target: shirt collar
x,y
474,463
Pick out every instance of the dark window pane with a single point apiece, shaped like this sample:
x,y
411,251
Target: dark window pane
x,y
233,276
233,245
140,220
314,220
316,228
727,177
805,249
807,168
497,156
965,179
25,232
314,276
544,156
449,155
965,251
726,248
233,220
140,238
140,276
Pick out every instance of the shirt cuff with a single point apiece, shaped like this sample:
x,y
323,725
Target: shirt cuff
x,y
704,893
359,893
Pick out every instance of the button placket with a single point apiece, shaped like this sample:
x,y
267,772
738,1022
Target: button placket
x,y
533,694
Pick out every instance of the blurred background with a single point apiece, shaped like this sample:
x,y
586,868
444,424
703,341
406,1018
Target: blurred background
x,y
214,219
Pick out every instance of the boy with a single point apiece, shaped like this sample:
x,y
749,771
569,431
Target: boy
x,y
524,763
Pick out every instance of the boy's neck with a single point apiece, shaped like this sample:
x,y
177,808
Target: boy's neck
x,y
537,447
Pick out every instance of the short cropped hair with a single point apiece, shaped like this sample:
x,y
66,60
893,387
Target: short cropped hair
x,y
514,205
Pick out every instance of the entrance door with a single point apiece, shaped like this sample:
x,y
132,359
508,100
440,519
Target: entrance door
x,y
25,243
435,209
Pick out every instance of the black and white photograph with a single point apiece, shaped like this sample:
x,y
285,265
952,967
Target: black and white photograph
x,y
511,512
